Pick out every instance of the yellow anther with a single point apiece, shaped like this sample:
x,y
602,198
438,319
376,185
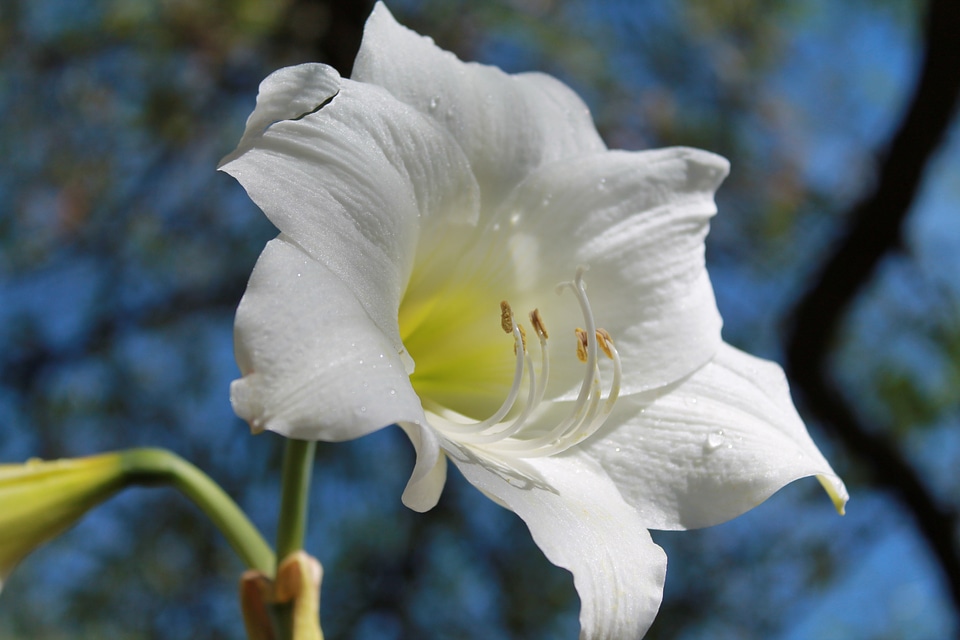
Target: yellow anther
x,y
581,344
605,342
537,323
506,317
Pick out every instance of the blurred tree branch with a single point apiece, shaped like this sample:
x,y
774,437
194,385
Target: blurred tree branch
x,y
876,224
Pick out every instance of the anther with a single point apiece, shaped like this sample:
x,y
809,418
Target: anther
x,y
582,344
538,325
506,317
605,342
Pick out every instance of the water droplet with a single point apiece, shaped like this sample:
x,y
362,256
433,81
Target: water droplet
x,y
363,409
361,360
434,103
715,440
617,449
393,392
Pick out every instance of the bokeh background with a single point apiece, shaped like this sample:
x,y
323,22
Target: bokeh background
x,y
837,252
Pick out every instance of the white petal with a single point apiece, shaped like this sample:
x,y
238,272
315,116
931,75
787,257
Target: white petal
x,y
430,473
638,222
352,182
581,523
315,366
507,124
287,94
712,447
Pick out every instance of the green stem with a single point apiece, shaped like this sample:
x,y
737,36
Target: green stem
x,y
297,467
291,528
158,466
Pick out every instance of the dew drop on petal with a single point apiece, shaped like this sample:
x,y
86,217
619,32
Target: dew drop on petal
x,y
715,440
434,103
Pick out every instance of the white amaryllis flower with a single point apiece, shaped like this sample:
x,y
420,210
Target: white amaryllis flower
x,y
460,255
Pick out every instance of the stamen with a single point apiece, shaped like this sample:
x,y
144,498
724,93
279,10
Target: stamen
x,y
480,434
589,409
508,324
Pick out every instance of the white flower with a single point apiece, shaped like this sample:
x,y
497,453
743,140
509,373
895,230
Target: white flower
x,y
426,202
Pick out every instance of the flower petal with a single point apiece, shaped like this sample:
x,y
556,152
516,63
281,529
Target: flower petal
x,y
352,181
506,124
41,499
581,523
315,366
287,94
430,473
712,447
638,222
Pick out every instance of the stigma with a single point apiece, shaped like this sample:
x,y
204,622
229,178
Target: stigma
x,y
524,431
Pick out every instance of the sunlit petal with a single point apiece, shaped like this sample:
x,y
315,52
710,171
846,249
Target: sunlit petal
x,y
314,364
506,124
711,447
581,523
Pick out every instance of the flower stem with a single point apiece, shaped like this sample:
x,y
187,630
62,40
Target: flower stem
x,y
297,469
147,466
